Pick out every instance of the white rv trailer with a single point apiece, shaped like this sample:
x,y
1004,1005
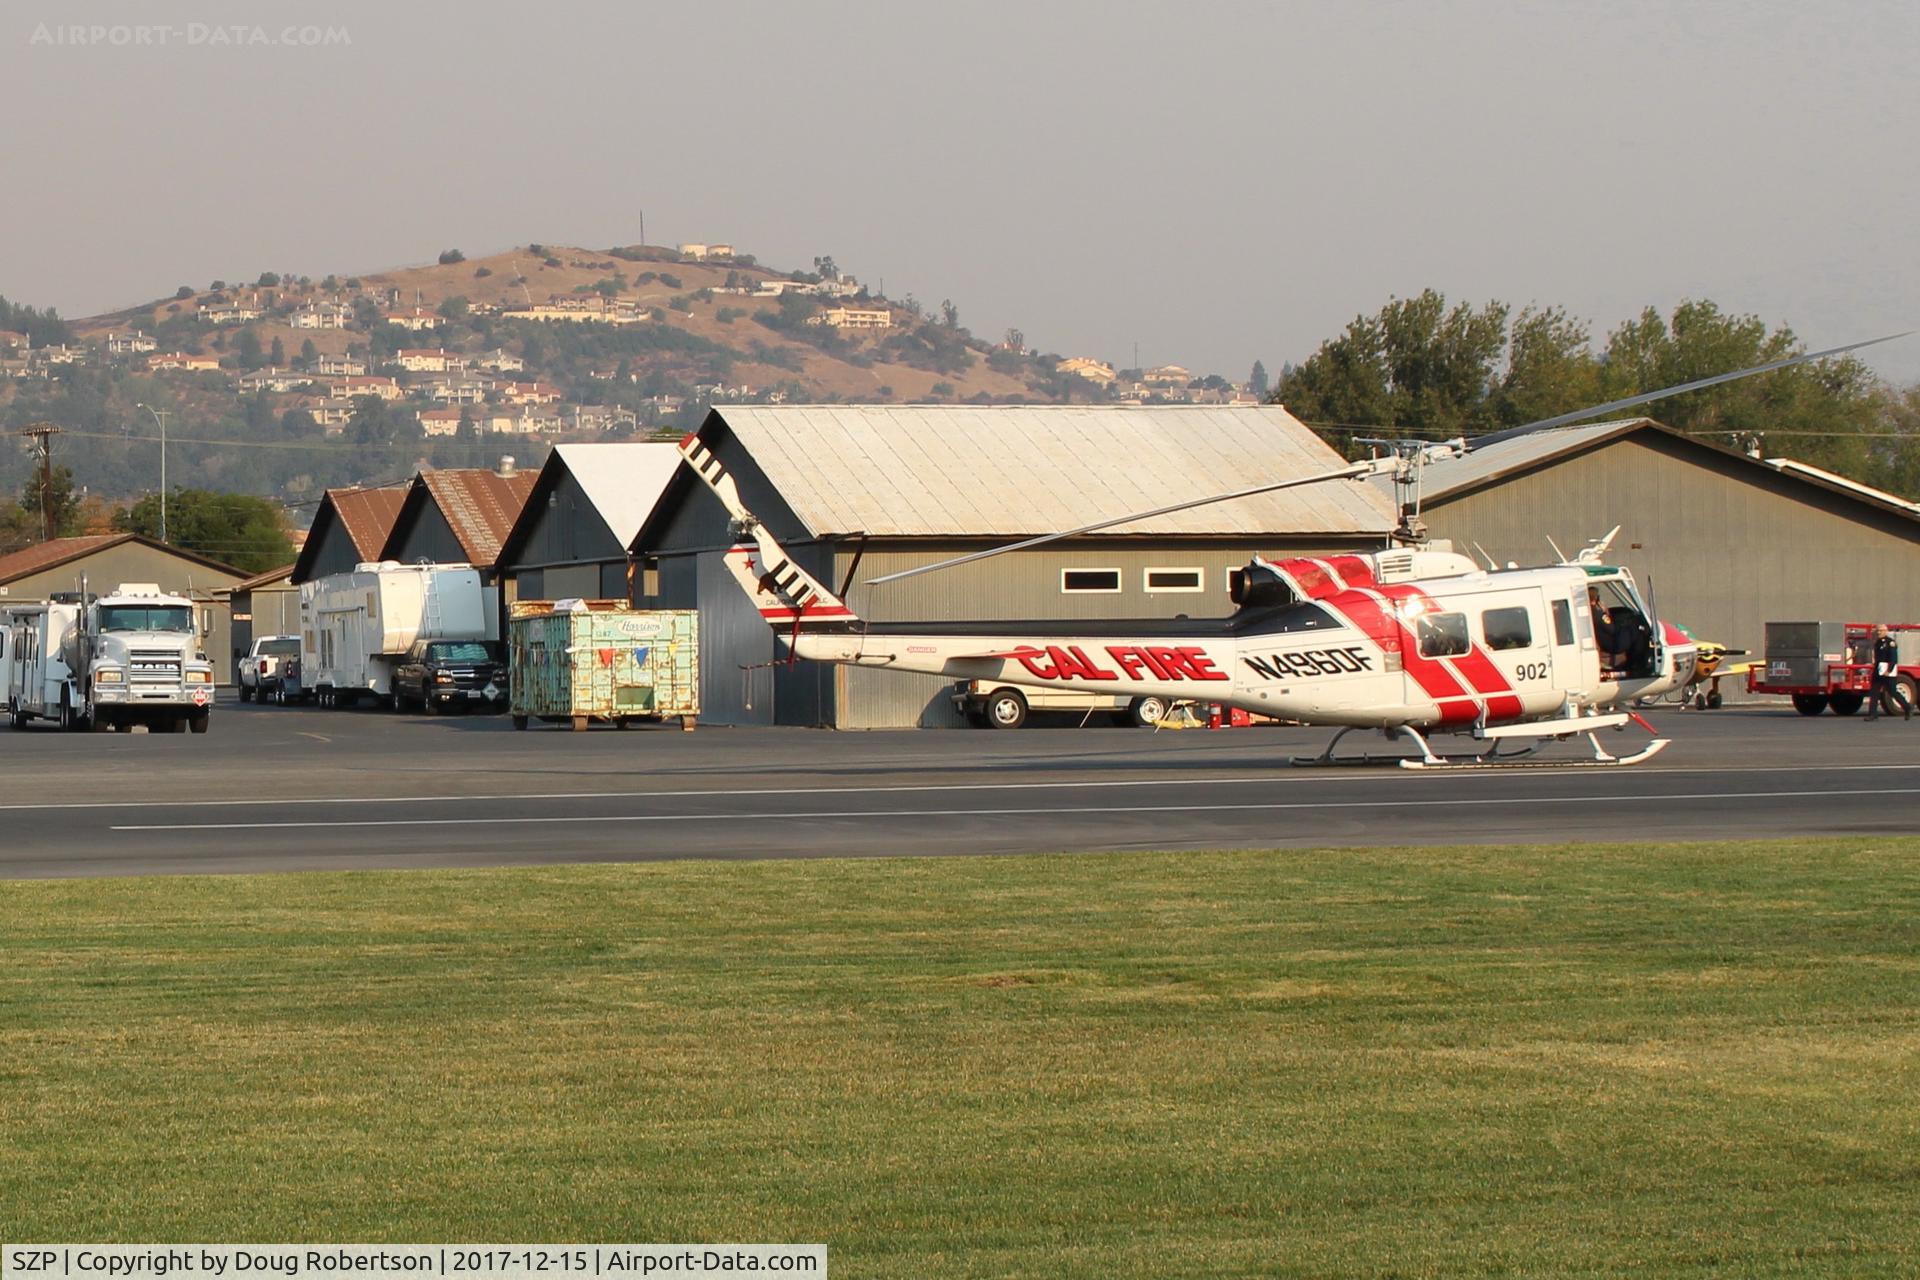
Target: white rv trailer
x,y
355,625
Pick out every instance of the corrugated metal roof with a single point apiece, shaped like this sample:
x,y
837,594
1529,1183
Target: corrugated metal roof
x,y
367,515
54,552
1464,471
480,506
268,578
1012,471
622,481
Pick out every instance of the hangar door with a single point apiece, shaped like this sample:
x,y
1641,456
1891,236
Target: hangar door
x,y
732,636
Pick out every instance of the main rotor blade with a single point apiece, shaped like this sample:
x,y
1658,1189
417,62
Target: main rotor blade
x,y
1629,401
1349,472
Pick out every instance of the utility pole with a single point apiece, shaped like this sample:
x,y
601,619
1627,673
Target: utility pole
x,y
44,433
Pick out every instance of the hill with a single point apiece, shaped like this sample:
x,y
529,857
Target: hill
x,y
286,385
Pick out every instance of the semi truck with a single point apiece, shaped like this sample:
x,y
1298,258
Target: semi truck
x,y
107,663
355,627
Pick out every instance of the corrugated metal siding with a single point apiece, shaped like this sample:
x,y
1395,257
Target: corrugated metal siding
x,y
732,637
1726,546
1016,471
427,537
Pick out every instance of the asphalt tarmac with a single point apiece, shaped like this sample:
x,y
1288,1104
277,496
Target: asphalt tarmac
x,y
299,789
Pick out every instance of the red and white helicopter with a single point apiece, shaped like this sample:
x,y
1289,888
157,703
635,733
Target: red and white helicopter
x,y
1408,640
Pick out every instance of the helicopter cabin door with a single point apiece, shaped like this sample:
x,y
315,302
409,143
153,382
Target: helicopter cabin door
x,y
1570,640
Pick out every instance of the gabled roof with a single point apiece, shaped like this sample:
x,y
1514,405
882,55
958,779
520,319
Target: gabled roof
x,y
479,505
58,551
1491,463
1013,471
624,482
267,579
367,516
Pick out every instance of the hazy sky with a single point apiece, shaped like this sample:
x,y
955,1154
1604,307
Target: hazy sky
x,y
1213,182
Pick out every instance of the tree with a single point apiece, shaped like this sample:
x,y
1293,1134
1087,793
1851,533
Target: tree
x,y
374,422
454,309
22,522
278,356
234,528
826,268
1257,381
247,348
308,353
949,314
268,280
450,256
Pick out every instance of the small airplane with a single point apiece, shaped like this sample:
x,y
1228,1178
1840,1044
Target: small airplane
x,y
1409,640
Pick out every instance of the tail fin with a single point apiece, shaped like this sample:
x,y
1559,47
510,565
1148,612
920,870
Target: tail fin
x,y
785,594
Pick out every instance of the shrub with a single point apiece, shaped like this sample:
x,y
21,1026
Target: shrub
x,y
481,273
184,291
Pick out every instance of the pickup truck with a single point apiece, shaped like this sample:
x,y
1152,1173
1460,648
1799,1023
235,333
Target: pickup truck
x,y
262,666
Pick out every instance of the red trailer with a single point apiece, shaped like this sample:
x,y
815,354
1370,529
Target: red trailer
x,y
1830,664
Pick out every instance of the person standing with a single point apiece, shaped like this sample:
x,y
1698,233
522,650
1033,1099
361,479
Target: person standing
x,y
1886,689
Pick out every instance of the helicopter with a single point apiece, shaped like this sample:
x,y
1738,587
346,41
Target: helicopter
x,y
1412,640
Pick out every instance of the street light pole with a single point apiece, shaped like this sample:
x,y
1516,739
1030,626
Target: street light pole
x,y
160,419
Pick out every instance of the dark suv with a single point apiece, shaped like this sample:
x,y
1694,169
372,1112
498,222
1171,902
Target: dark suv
x,y
437,675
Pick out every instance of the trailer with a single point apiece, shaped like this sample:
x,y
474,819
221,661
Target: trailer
x,y
355,626
1822,665
577,661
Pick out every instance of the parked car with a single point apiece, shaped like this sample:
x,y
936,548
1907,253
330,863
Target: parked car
x,y
439,675
262,665
989,705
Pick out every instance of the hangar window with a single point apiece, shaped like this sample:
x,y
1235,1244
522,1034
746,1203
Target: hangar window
x,y
1443,635
1089,581
1176,579
1507,628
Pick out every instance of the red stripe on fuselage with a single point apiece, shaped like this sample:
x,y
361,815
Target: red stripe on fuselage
x,y
1474,666
1376,618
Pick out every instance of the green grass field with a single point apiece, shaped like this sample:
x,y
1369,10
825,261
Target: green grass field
x,y
1589,1060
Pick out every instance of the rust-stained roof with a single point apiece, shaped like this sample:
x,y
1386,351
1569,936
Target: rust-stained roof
x,y
49,555
480,507
366,514
58,551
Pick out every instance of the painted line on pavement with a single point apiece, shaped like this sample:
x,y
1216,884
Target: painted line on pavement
x,y
1300,776
801,815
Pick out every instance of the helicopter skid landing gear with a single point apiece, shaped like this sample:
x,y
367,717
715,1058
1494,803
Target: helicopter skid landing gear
x,y
1520,741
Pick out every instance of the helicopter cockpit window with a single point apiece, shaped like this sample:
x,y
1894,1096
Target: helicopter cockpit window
x,y
1507,628
1442,635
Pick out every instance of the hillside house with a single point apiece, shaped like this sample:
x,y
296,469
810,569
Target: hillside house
x,y
854,318
47,357
417,319
228,313
11,339
322,315
279,381
181,361
500,360
439,422
330,415
422,360
1167,375
130,344
1086,367
601,417
364,385
456,389
345,366
530,393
